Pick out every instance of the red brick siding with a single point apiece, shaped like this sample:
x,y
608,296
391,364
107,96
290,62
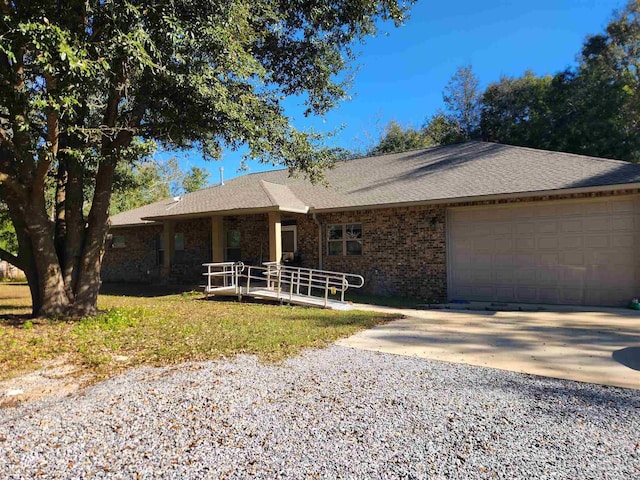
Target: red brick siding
x,y
136,262
254,236
403,251
186,265
404,248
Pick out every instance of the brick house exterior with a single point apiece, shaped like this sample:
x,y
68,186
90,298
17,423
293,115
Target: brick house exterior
x,y
405,247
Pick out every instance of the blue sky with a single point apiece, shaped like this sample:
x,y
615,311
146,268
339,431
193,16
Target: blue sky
x,y
403,71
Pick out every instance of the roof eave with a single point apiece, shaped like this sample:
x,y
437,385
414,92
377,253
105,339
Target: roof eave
x,y
483,198
138,224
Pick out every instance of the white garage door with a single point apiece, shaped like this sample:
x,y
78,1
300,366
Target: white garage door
x,y
563,252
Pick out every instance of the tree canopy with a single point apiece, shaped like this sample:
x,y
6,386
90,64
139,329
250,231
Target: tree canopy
x,y
87,86
591,109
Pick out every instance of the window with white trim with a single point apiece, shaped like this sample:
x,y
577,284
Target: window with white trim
x,y
118,241
344,239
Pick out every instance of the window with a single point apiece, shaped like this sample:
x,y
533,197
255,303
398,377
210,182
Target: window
x,y
178,241
160,250
289,242
232,246
344,239
117,241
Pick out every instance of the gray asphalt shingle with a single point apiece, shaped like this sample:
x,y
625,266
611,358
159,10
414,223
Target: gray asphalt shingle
x,y
444,173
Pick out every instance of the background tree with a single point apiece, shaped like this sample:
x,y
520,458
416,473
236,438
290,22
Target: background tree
x,y
593,109
462,101
395,139
195,179
87,86
597,105
517,111
441,129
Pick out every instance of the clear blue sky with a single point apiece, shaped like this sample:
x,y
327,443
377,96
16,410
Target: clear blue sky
x,y
402,73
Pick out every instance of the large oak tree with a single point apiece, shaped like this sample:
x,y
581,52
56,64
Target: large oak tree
x,y
87,85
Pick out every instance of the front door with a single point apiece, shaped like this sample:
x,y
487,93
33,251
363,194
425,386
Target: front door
x,y
289,242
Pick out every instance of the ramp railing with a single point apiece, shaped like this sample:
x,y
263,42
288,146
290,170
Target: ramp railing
x,y
284,283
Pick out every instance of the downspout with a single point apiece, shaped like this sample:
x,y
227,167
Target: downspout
x,y
315,219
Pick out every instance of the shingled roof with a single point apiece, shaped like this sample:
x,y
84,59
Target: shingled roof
x,y
438,174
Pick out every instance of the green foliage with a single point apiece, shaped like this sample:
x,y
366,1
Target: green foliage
x,y
441,129
8,240
593,109
143,325
89,87
398,139
195,179
517,111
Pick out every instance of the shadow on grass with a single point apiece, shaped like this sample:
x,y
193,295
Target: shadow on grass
x,y
15,319
145,290
384,300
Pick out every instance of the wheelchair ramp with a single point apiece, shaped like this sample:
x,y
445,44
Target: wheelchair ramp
x,y
283,284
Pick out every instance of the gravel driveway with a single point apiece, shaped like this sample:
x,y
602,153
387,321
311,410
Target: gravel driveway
x,y
331,413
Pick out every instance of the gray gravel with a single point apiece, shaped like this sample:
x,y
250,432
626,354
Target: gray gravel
x,y
332,413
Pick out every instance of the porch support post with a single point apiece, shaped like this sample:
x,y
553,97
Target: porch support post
x,y
275,237
169,246
217,239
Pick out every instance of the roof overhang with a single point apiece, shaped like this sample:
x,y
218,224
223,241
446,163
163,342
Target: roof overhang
x,y
138,224
235,211
484,198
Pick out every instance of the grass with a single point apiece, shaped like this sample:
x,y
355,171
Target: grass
x,y
152,326
386,301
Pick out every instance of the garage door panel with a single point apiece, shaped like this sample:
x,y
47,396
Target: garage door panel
x,y
525,275
599,223
561,252
506,294
504,276
502,244
548,295
572,257
525,243
548,259
525,228
573,275
548,243
569,241
623,224
596,241
623,241
502,229
548,226
571,225
526,294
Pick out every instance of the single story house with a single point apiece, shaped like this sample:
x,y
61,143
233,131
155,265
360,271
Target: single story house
x,y
473,221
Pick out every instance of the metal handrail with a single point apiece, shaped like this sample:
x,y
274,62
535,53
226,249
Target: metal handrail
x,y
286,281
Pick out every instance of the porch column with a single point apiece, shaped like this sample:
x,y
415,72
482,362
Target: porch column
x,y
275,237
217,239
168,238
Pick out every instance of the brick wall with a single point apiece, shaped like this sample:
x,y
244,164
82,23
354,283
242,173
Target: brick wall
x,y
307,231
403,250
186,265
136,261
254,236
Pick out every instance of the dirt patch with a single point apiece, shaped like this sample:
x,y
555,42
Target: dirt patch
x,y
57,378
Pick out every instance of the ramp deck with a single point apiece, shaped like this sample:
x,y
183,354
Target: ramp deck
x,y
293,285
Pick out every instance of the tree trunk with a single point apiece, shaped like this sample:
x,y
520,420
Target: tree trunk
x,y
55,298
88,285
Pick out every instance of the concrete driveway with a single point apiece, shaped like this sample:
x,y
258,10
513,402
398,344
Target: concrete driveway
x,y
588,346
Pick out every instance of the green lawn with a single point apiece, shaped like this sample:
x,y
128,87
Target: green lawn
x,y
153,326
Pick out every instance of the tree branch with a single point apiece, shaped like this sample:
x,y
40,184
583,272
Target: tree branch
x,y
11,258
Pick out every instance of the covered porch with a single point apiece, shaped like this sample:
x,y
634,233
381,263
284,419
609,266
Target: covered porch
x,y
254,238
